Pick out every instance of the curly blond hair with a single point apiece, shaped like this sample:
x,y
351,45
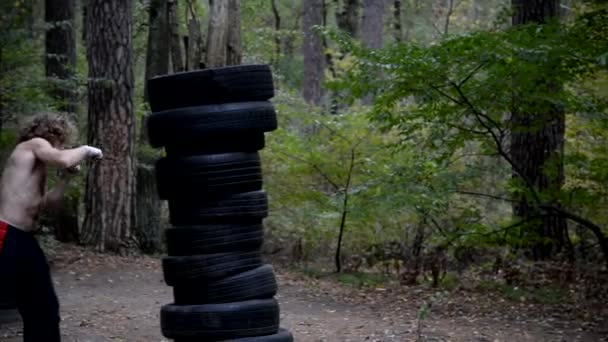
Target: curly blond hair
x,y
56,128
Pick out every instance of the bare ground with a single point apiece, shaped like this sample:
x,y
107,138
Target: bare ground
x,y
110,298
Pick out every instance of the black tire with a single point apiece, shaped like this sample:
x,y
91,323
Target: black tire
x,y
244,207
218,85
282,336
215,144
191,123
257,283
213,322
196,176
214,239
196,269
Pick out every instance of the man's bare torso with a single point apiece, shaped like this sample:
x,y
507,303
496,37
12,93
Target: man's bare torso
x,y
22,188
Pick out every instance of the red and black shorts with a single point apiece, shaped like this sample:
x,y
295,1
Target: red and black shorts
x,y
25,282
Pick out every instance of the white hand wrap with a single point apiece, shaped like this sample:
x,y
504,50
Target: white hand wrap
x,y
93,152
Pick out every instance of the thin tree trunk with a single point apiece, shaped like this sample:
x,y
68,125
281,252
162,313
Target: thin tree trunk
x,y
537,146
157,58
372,30
347,16
176,43
338,259
110,189
372,24
234,54
448,17
412,270
60,62
60,56
217,38
149,228
277,29
193,59
397,21
289,44
314,64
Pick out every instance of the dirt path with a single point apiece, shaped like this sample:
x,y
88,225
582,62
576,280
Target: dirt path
x,y
107,298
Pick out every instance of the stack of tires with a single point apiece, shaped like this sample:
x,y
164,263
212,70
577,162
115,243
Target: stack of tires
x,y
211,124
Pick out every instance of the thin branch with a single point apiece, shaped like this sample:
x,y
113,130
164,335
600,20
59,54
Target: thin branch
x,y
448,16
334,132
446,95
465,129
478,194
497,140
317,168
473,72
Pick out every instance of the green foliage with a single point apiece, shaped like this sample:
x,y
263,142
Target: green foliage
x,y
452,100
21,74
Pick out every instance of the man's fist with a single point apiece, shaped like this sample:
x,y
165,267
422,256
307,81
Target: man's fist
x,y
93,152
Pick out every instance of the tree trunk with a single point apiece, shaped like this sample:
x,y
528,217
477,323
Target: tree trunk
x,y
157,57
176,43
338,258
314,63
372,30
194,51
534,11
217,37
372,24
277,29
60,56
149,228
537,147
397,21
60,61
110,198
412,269
347,17
234,54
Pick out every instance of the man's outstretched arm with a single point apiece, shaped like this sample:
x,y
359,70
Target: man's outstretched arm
x,y
63,159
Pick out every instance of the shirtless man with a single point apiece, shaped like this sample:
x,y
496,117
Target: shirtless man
x,y
24,273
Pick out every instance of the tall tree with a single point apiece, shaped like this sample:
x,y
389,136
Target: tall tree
x,y
224,35
537,143
157,57
372,29
277,28
372,23
110,189
217,35
148,228
194,39
397,21
60,57
60,62
176,43
314,59
347,16
234,46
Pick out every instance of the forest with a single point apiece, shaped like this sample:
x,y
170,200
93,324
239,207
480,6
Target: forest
x,y
428,149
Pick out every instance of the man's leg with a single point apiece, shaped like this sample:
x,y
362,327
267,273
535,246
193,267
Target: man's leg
x,y
36,298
